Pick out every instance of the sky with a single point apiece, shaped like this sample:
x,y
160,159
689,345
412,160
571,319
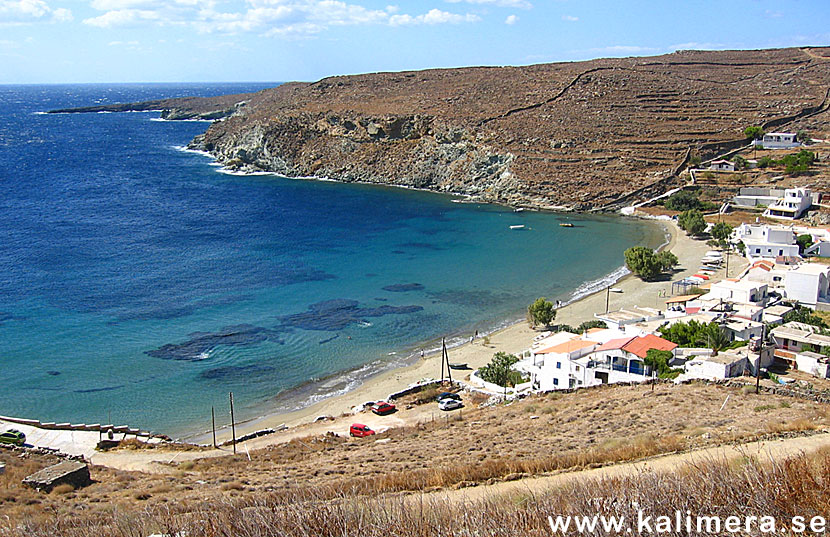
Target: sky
x,y
61,41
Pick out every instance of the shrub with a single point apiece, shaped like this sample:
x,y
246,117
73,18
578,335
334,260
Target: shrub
x,y
541,312
692,222
646,264
500,370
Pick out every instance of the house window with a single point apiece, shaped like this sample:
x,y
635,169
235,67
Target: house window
x,y
780,252
577,368
558,365
757,250
556,382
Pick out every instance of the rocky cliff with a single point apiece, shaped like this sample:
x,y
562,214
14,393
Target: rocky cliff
x,y
580,135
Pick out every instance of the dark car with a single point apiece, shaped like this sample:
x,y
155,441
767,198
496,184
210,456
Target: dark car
x,y
382,408
358,429
13,436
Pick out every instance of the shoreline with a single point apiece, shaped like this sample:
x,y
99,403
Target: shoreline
x,y
513,338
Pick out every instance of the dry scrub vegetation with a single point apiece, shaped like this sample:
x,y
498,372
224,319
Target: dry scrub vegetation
x,y
797,487
537,435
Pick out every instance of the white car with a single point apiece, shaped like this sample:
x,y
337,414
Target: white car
x,y
449,404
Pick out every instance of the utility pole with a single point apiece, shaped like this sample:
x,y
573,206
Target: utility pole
x,y
213,425
758,367
443,346
607,297
233,424
446,356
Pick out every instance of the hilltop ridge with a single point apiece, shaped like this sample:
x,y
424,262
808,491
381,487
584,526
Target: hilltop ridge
x,y
586,135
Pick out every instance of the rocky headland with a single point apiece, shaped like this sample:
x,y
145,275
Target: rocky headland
x,y
584,135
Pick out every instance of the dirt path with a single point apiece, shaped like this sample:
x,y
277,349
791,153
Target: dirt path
x,y
765,450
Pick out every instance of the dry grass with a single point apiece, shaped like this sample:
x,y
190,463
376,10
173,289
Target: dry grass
x,y
557,432
781,489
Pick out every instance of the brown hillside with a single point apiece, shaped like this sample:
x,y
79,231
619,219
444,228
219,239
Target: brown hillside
x,y
584,134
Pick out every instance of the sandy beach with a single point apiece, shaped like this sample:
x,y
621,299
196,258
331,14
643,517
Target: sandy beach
x,y
513,339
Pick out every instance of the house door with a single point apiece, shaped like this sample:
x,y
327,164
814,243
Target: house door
x,y
601,376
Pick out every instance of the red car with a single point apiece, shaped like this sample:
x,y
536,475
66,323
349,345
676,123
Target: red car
x,y
382,408
358,429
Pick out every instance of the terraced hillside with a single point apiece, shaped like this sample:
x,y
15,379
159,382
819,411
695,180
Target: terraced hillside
x,y
580,135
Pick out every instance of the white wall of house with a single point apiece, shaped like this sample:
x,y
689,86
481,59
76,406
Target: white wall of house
x,y
812,363
792,205
745,291
778,140
713,368
765,241
808,284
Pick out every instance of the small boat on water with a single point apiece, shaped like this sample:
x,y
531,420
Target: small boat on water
x,y
520,226
566,224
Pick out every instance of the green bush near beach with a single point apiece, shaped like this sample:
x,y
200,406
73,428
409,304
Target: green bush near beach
x,y
647,264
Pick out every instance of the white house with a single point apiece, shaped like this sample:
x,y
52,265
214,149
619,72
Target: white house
x,y
554,368
622,359
808,284
792,205
742,329
778,140
722,166
723,366
620,318
766,271
743,291
797,337
762,240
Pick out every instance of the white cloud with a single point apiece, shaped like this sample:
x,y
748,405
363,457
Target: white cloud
x,y
123,17
433,16
28,11
522,4
266,17
511,20
569,18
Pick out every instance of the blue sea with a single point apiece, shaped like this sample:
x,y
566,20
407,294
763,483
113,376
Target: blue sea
x,y
139,285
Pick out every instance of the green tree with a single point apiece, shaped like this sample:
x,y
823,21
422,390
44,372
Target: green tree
x,y
587,325
684,334
803,137
740,162
695,160
500,370
643,262
682,200
721,231
804,242
714,337
800,314
754,133
692,222
541,312
658,360
666,260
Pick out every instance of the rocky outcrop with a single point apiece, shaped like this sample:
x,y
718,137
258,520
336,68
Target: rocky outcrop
x,y
408,150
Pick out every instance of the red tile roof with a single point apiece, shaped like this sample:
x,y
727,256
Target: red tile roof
x,y
614,344
641,345
568,346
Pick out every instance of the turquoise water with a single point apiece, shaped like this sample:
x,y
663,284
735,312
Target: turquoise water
x,y
140,286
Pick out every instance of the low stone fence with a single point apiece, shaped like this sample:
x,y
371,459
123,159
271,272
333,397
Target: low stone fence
x,y
84,427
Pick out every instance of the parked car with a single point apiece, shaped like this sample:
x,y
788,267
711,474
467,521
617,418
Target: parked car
x,y
13,436
448,395
360,430
449,404
382,408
